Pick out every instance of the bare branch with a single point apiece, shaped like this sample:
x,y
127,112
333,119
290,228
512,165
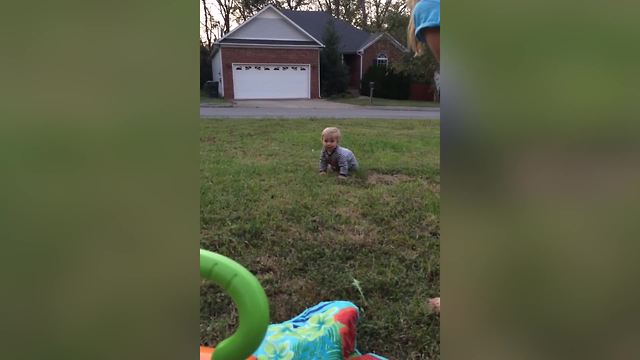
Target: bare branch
x,y
208,25
296,4
226,8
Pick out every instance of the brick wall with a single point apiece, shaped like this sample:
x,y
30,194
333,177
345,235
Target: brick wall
x,y
384,46
232,55
353,62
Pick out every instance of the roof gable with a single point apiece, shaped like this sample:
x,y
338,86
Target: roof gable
x,y
270,26
378,36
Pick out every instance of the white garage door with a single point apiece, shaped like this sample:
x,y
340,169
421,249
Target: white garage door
x,y
271,81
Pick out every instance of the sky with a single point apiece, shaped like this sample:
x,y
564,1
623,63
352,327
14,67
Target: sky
x,y
216,13
214,9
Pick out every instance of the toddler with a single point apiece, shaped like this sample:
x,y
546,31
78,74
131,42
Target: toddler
x,y
334,156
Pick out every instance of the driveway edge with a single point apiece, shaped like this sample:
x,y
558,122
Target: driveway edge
x,y
205,105
406,108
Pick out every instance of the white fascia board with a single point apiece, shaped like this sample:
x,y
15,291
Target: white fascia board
x,y
279,13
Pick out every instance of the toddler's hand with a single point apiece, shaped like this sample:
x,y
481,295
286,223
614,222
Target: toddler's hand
x,y
434,305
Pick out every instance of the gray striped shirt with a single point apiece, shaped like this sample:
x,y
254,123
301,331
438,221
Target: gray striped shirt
x,y
341,158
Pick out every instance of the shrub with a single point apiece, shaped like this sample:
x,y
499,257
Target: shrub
x,y
419,68
388,83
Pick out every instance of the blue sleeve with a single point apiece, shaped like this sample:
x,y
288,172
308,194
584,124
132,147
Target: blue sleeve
x,y
426,14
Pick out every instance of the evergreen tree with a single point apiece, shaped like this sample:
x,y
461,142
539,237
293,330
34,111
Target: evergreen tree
x,y
334,75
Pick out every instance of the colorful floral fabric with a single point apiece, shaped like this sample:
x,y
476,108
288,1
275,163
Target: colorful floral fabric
x,y
326,331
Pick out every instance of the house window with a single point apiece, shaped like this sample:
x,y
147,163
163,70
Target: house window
x,y
382,60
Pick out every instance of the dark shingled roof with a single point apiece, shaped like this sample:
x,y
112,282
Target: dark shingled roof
x,y
315,22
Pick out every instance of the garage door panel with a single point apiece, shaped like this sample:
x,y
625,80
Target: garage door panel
x,y
271,81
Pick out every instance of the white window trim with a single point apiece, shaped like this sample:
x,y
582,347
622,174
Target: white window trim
x,y
382,56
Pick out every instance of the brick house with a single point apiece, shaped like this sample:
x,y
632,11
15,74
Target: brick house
x,y
276,54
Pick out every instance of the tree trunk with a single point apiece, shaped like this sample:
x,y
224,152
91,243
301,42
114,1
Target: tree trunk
x,y
208,26
363,10
226,8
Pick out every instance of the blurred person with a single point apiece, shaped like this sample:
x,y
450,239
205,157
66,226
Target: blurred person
x,y
424,26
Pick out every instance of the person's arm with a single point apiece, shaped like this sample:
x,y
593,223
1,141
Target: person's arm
x,y
432,36
323,162
426,17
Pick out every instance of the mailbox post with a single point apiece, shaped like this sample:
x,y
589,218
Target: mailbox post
x,y
371,92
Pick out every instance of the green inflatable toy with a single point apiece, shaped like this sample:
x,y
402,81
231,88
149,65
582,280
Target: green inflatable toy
x,y
250,300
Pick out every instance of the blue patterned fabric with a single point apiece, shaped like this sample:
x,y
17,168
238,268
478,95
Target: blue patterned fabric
x,y
323,332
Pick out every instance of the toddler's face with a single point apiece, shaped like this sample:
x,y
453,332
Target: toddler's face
x,y
330,142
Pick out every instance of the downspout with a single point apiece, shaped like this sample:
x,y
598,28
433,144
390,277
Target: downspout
x,y
319,96
212,58
221,85
360,52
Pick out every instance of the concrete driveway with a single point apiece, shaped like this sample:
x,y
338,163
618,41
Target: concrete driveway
x,y
314,109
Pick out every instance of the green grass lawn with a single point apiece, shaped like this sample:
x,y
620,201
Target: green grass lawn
x,y
205,99
385,102
309,238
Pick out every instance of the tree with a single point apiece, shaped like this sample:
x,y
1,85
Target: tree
x,y
209,34
247,8
421,68
334,75
397,21
205,65
209,26
326,6
225,9
378,10
295,4
350,12
363,13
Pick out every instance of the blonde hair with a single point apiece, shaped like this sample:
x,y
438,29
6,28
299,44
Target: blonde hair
x,y
331,131
412,41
